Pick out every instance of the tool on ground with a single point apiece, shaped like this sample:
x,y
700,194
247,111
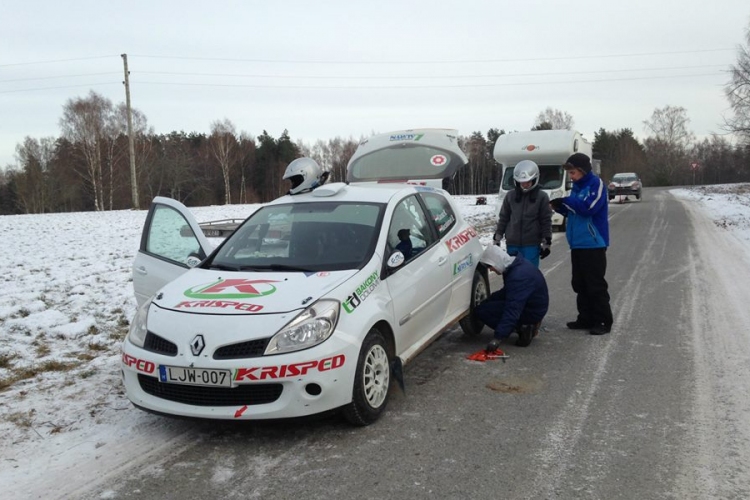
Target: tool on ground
x,y
485,355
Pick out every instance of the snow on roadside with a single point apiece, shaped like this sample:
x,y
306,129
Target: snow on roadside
x,y
65,307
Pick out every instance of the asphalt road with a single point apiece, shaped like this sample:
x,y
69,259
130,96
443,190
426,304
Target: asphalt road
x,y
648,411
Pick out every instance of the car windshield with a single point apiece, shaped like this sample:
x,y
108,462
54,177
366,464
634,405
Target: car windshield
x,y
624,178
550,177
309,237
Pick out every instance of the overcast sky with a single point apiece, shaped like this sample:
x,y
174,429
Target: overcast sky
x,y
322,69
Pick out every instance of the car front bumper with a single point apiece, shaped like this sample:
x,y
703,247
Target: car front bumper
x,y
297,384
628,191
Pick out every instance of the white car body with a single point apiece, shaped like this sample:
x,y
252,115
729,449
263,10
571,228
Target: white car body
x,y
209,341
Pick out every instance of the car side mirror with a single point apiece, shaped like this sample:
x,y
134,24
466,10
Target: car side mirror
x,y
193,259
395,260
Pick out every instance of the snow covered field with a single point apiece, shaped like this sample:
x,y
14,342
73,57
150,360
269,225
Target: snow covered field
x,y
66,300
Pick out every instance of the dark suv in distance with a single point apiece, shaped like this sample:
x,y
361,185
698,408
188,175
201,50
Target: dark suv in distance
x,y
625,184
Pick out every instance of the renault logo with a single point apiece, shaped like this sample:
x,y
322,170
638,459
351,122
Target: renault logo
x,y
197,345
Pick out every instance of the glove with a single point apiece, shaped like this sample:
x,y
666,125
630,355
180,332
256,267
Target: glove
x,y
496,239
544,248
493,345
556,203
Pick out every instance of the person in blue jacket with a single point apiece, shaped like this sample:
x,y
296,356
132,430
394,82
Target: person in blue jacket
x,y
588,236
520,305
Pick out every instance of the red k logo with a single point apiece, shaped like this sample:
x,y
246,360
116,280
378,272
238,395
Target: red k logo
x,y
232,289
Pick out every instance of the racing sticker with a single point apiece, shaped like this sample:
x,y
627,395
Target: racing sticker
x,y
406,137
438,160
140,365
361,293
236,288
290,370
461,239
463,264
220,304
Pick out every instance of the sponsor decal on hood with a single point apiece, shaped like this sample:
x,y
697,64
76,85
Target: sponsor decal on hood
x,y
207,291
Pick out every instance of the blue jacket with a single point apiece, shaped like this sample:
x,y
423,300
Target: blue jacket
x,y
524,299
587,212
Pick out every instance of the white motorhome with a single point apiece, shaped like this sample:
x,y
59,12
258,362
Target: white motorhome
x,y
547,148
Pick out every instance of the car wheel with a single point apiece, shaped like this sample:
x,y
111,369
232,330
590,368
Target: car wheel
x,y
480,290
371,382
638,196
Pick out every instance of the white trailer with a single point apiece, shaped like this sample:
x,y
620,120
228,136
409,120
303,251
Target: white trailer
x,y
547,148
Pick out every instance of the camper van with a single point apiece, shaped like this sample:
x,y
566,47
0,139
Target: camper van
x,y
547,148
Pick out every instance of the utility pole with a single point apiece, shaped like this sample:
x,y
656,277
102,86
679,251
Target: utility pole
x,y
131,143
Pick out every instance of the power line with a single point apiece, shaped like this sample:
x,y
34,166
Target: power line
x,y
60,76
447,61
374,87
416,77
55,61
60,87
401,87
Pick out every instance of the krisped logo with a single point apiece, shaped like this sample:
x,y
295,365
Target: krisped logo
x,y
463,264
406,137
232,289
362,292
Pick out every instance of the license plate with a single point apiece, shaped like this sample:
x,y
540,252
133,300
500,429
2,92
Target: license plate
x,y
195,376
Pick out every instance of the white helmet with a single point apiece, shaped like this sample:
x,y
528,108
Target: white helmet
x,y
305,175
526,171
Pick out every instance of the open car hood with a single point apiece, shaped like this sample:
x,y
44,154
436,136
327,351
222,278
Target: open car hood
x,y
207,291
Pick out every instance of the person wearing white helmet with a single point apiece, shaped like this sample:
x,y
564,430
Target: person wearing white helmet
x,y
305,174
520,305
525,219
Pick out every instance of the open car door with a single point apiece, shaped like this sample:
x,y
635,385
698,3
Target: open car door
x,y
171,243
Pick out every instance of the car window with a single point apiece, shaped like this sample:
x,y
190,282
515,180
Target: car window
x,y
170,236
440,212
322,236
409,231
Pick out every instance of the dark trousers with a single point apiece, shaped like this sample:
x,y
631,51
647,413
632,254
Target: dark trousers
x,y
589,267
490,312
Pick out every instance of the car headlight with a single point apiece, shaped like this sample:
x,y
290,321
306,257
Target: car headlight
x,y
311,327
138,329
556,194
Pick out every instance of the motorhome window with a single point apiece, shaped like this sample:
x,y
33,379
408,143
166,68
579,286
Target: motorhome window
x,y
416,162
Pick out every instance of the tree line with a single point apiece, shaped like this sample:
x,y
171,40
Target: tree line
x,y
87,167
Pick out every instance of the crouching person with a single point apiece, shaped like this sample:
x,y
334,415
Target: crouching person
x,y
520,305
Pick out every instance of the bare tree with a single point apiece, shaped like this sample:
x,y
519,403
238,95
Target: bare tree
x,y
85,124
34,157
670,125
553,119
738,92
667,147
222,144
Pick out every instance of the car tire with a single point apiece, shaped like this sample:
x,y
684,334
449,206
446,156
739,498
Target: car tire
x,y
371,381
638,196
480,290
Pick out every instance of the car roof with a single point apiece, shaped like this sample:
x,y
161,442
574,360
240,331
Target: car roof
x,y
367,193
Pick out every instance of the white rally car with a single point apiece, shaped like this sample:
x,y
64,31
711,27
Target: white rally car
x,y
312,301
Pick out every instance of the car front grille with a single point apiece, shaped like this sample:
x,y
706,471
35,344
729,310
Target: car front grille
x,y
159,345
255,394
249,349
